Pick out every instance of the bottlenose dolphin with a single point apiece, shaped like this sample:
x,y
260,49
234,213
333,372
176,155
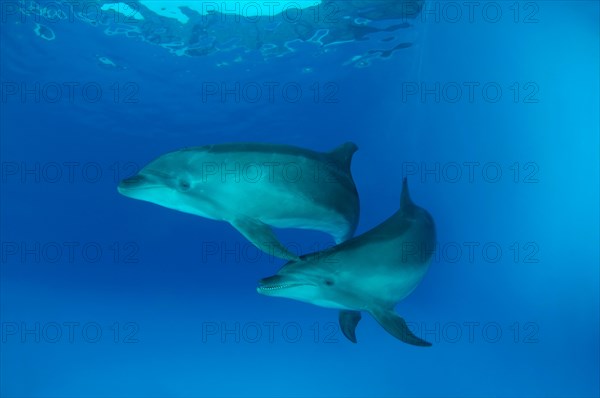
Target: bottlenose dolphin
x,y
371,272
255,186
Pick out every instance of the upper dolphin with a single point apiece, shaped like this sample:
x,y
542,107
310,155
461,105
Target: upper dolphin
x,y
255,186
371,272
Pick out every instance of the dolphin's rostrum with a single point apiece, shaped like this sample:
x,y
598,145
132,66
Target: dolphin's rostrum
x,y
255,187
371,272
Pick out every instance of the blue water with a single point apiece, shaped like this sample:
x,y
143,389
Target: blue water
x,y
105,296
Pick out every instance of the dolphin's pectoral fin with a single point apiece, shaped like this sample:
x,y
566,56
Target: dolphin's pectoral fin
x,y
262,236
397,327
348,322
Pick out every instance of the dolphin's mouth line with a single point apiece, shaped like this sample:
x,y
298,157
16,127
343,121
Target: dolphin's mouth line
x,y
141,182
139,188
280,286
124,189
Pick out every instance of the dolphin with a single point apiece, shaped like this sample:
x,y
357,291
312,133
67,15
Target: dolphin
x,y
254,187
371,272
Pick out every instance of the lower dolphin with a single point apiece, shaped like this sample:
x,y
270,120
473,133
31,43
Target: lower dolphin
x,y
371,272
255,187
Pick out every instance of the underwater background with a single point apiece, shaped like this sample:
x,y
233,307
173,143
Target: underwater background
x,y
490,109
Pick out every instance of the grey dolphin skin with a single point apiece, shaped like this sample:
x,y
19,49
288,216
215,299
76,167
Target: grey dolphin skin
x,y
255,187
371,272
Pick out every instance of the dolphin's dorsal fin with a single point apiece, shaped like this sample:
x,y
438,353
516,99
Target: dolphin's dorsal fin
x,y
405,200
343,154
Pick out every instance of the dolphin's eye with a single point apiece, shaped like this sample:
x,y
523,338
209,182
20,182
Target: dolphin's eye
x,y
184,185
328,282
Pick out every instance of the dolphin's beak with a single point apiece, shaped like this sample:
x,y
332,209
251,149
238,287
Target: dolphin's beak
x,y
274,280
135,182
272,284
